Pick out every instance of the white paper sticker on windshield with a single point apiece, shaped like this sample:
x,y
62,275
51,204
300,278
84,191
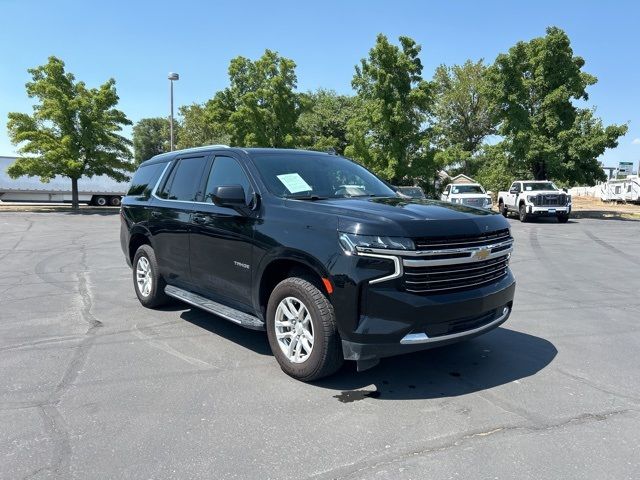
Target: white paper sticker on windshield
x,y
294,183
528,189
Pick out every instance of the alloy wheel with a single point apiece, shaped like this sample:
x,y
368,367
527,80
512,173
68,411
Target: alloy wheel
x,y
143,276
294,329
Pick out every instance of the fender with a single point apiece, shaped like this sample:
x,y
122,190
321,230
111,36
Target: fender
x,y
283,253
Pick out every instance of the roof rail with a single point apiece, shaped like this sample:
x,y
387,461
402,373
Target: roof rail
x,y
206,147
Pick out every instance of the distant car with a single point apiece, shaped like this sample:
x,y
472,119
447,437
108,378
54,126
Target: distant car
x,y
535,198
471,194
411,192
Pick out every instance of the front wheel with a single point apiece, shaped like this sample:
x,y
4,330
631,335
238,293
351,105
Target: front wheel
x,y
523,213
100,201
503,209
302,331
563,217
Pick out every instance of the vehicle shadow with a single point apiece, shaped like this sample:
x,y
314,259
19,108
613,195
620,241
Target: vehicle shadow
x,y
251,339
496,358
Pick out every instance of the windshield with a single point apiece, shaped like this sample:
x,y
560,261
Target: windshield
x,y
295,175
537,186
466,189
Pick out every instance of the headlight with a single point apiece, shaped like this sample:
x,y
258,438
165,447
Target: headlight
x,y
531,199
487,202
350,242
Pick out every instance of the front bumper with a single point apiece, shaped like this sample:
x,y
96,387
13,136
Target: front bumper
x,y
395,322
550,211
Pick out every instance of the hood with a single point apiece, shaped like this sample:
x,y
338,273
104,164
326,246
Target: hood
x,y
544,192
405,217
470,195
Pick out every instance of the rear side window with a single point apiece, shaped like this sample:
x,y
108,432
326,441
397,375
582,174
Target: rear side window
x,y
144,180
227,171
184,180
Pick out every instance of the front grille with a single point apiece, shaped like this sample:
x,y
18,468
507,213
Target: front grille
x,y
443,243
473,202
549,200
454,277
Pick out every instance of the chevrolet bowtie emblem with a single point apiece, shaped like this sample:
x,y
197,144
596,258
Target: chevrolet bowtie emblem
x,y
482,254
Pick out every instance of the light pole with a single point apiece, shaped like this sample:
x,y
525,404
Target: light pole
x,y
172,76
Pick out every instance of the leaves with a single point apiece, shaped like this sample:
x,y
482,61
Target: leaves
x,y
260,107
151,137
464,115
393,101
322,125
73,131
534,86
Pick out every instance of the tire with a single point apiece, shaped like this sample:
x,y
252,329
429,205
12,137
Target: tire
x,y
295,295
563,218
100,201
114,201
154,296
503,210
524,217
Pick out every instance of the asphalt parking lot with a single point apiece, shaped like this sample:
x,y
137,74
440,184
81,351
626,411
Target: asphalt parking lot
x,y
92,385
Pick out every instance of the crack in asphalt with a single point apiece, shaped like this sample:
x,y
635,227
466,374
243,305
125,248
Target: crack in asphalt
x,y
457,441
19,241
598,387
52,418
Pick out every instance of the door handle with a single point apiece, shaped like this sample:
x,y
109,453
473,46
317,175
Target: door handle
x,y
199,219
155,213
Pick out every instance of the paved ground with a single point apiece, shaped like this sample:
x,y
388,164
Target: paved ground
x,y
92,385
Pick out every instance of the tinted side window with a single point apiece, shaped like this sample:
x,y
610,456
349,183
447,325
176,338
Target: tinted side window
x,y
184,179
227,171
144,180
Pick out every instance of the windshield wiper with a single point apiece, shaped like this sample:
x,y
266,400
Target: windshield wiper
x,y
368,195
305,197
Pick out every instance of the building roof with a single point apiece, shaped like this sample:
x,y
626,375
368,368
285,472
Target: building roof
x,y
462,178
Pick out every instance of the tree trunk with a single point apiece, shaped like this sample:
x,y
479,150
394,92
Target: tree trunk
x,y
75,204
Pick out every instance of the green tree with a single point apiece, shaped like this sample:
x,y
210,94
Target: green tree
x,y
464,115
322,125
387,132
151,137
198,127
73,131
535,85
260,106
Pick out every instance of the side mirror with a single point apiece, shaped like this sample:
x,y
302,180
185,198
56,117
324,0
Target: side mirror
x,y
231,196
513,190
490,193
446,194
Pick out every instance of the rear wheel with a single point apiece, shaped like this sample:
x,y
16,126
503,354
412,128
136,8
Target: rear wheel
x,y
523,213
147,282
114,201
302,330
563,217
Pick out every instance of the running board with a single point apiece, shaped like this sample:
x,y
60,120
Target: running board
x,y
236,316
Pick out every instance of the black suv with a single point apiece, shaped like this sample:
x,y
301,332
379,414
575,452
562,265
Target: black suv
x,y
317,251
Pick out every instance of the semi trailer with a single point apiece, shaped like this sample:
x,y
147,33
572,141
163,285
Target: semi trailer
x,y
98,190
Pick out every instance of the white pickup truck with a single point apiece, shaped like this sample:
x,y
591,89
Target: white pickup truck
x,y
534,198
471,194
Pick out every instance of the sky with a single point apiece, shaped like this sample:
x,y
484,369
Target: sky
x,y
138,42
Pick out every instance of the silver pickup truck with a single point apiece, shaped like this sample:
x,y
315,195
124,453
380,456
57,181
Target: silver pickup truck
x,y
535,198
